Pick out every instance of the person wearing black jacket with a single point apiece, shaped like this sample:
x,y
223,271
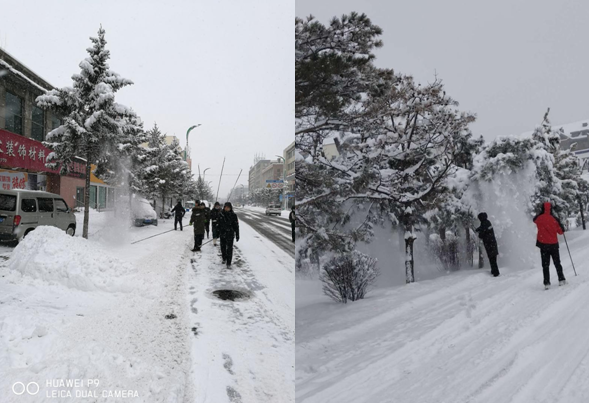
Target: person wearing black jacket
x,y
198,220
228,229
207,217
215,217
179,212
487,234
292,220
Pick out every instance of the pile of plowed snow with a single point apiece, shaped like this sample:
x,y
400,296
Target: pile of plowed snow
x,y
50,255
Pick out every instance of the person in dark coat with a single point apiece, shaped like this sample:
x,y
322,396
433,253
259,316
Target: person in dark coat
x,y
487,234
292,219
207,216
179,212
228,229
198,220
547,240
215,217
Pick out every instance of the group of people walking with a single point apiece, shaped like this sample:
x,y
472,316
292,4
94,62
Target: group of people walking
x,y
224,223
548,227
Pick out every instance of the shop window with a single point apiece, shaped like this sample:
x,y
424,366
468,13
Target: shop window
x,y
79,197
61,206
38,124
13,113
93,196
101,197
28,205
45,205
55,122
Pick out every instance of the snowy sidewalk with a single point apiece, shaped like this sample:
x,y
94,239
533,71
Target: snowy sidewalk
x,y
465,337
57,326
243,350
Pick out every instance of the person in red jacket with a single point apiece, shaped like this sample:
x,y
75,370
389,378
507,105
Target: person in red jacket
x,y
547,241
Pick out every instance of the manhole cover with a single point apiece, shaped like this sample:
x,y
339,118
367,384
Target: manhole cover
x,y
231,295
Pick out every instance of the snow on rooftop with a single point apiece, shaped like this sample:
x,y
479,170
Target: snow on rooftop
x,y
568,128
18,73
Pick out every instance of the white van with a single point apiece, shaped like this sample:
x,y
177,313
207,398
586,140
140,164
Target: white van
x,y
21,211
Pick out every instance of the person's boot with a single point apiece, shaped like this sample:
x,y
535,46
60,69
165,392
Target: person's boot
x,y
562,282
546,286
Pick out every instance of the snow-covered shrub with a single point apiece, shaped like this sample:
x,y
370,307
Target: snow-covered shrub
x,y
446,250
579,220
348,276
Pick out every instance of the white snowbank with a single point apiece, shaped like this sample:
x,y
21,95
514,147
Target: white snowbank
x,y
50,255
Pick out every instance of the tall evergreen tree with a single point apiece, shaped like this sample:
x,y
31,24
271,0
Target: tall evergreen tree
x,y
166,174
333,69
93,121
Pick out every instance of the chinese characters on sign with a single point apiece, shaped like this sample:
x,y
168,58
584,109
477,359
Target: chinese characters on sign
x,y
21,152
13,180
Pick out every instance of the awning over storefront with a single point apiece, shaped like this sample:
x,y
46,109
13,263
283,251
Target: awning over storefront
x,y
19,152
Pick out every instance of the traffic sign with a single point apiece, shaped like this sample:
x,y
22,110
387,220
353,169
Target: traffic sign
x,y
275,185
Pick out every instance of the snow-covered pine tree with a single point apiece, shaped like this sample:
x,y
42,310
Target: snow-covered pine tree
x,y
123,162
92,119
203,190
406,150
549,186
166,174
152,171
333,69
568,184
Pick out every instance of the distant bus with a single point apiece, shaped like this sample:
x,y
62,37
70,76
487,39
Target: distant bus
x,y
189,204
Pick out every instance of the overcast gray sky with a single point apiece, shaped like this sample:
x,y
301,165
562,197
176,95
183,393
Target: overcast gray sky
x,y
227,65
505,60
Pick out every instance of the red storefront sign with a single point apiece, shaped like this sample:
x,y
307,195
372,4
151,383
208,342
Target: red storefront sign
x,y
21,152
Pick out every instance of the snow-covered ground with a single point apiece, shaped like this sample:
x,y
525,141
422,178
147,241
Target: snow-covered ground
x,y
249,342
463,337
123,314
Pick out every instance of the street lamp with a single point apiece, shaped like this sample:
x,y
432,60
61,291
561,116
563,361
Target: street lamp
x,y
283,180
204,173
187,133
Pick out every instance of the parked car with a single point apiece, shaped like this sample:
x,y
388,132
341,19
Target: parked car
x,y
21,211
273,209
143,212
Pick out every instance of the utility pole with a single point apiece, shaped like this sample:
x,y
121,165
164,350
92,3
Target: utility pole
x,y
219,186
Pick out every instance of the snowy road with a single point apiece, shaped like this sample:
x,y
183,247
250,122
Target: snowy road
x,y
466,337
276,229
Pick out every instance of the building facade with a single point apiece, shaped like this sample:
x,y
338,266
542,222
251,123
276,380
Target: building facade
x,y
23,127
289,159
256,180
